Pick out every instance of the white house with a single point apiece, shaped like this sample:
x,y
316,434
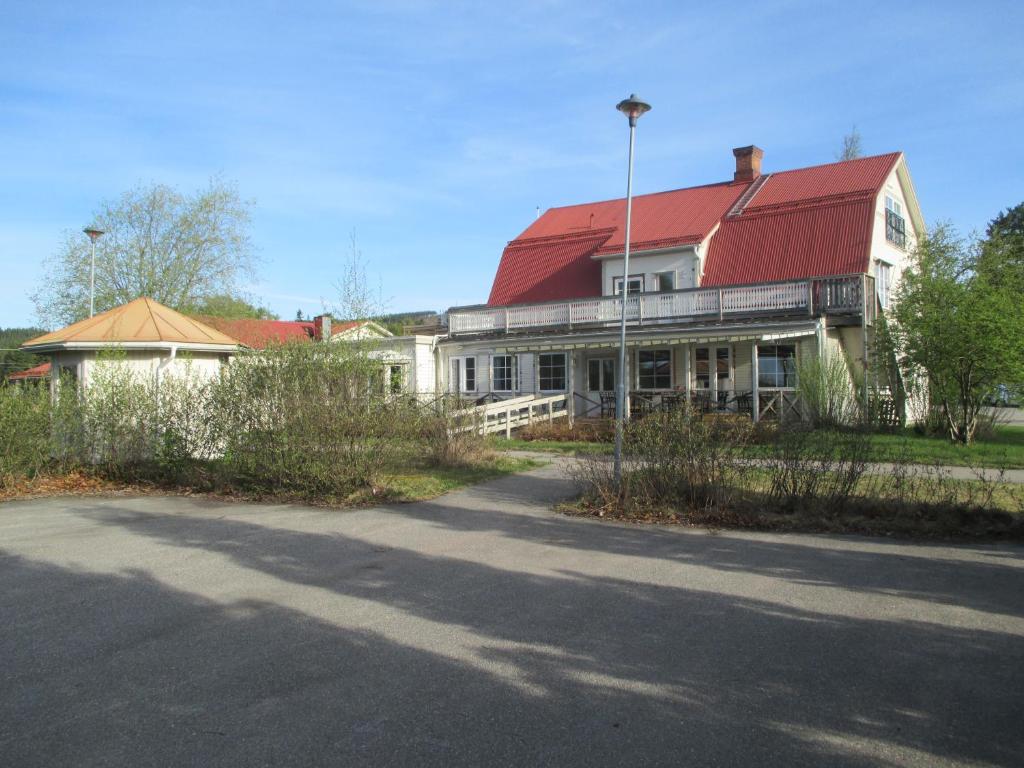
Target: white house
x,y
729,285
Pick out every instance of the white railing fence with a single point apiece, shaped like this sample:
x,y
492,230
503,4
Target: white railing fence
x,y
815,296
506,415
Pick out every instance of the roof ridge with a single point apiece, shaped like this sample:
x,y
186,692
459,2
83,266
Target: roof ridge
x,y
562,236
648,194
894,155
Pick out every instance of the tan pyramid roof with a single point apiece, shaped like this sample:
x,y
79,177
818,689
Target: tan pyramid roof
x,y
136,322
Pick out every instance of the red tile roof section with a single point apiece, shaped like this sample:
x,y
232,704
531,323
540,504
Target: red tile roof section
x,y
258,334
40,371
552,258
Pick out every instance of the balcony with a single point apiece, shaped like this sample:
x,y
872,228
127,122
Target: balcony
x,y
797,298
895,229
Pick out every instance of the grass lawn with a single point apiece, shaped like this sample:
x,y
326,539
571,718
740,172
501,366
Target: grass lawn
x,y
420,483
1004,449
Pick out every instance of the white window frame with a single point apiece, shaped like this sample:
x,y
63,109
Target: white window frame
x,y
894,205
540,368
617,285
461,383
883,282
512,374
671,274
601,371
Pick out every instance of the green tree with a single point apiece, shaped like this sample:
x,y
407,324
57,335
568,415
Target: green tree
x,y
231,307
960,324
1002,252
175,248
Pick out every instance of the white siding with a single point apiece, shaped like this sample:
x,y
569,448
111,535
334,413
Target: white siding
x,y
683,262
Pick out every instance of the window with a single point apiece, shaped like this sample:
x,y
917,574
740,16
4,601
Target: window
x,y
882,283
776,366
502,373
895,226
463,374
551,371
636,284
601,375
666,281
654,368
396,379
722,365
703,368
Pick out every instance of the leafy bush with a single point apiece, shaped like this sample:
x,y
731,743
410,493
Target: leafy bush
x,y
24,431
827,391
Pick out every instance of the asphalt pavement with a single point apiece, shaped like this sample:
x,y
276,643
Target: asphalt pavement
x,y
484,629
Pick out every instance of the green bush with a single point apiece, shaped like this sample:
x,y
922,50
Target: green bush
x,y
25,414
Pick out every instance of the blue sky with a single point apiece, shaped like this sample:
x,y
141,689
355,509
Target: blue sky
x,y
434,130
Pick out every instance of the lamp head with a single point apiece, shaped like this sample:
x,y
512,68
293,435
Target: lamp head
x,y
632,108
93,233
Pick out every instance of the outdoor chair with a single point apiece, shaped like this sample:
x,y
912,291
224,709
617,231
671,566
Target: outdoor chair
x,y
607,405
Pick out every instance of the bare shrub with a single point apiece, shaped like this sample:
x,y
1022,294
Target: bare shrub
x,y
816,469
678,459
451,432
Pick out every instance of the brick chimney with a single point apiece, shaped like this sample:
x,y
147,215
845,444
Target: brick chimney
x,y
322,327
748,163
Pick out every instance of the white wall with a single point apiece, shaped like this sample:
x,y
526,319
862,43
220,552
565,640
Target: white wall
x,y
144,363
683,262
882,249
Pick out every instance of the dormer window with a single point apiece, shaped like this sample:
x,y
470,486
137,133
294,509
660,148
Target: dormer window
x,y
895,225
636,285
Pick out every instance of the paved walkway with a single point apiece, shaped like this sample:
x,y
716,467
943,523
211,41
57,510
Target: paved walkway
x,y
483,629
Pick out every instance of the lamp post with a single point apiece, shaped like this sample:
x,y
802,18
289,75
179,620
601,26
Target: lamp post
x,y
94,235
631,108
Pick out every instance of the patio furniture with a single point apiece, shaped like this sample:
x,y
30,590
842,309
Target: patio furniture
x,y
640,404
607,404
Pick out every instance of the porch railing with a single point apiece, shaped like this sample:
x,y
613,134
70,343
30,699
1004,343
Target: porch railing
x,y
816,296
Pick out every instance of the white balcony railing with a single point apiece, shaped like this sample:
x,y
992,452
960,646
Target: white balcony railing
x,y
809,297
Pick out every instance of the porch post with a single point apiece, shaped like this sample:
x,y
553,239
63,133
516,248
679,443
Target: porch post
x,y
686,370
756,394
627,372
572,387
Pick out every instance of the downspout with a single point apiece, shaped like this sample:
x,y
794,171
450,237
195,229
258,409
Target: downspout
x,y
163,364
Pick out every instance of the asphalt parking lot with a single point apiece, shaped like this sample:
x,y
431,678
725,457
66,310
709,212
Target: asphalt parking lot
x,y
484,629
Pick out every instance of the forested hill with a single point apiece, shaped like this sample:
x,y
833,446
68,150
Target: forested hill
x,y
11,359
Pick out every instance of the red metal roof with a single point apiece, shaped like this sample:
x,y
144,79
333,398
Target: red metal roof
x,y
552,258
548,268
864,175
804,223
800,223
40,371
803,242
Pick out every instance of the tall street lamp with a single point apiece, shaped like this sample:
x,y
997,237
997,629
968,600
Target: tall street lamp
x,y
631,108
94,235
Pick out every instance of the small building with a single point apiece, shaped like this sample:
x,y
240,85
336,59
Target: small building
x,y
153,339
